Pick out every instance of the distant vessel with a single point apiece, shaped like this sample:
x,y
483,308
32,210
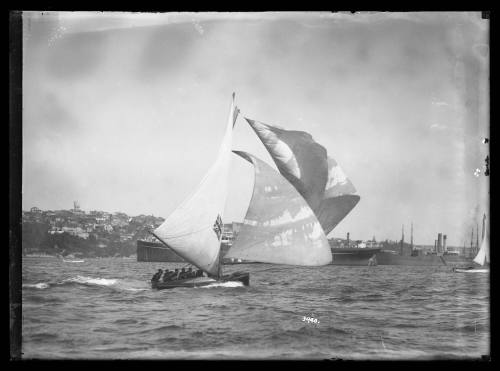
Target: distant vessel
x,y
354,255
482,259
385,257
411,257
279,227
150,251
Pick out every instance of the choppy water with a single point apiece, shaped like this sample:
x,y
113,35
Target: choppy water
x,y
104,308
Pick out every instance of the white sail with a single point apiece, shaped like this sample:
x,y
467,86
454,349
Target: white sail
x,y
194,229
483,256
279,226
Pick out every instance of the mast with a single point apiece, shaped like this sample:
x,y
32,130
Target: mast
x,y
471,238
402,239
411,241
484,221
477,236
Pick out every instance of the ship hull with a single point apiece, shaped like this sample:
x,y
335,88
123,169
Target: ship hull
x,y
352,256
155,252
242,277
387,258
457,260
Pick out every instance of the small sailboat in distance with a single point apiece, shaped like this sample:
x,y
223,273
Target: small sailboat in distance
x,y
279,226
482,259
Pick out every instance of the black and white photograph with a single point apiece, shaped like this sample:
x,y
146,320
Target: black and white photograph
x,y
254,186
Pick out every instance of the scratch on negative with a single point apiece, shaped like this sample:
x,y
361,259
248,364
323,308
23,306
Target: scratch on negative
x,y
383,343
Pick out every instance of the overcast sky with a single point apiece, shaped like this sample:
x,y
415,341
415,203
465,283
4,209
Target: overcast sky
x,y
125,112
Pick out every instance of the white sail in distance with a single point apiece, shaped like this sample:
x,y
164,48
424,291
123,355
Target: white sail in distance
x,y
483,256
194,229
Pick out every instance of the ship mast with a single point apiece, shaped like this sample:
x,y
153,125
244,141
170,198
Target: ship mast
x,y
411,240
477,236
471,238
402,238
484,221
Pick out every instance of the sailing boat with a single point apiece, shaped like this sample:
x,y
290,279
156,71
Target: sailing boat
x,y
482,259
279,226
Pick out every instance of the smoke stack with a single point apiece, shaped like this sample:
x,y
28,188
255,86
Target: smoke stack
x,y
440,242
347,239
435,246
444,243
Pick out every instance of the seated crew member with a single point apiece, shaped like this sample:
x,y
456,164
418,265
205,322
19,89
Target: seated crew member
x,y
182,275
167,275
190,272
199,273
175,276
156,276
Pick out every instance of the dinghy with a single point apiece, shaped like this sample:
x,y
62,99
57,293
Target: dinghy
x,y
482,259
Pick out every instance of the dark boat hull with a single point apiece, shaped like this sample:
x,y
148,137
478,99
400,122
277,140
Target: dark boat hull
x,y
387,258
457,260
242,277
352,256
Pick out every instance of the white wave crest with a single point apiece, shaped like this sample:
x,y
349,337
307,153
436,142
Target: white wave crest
x,y
110,282
223,284
73,261
41,285
93,281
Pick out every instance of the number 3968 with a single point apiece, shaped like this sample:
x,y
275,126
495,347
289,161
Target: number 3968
x,y
310,319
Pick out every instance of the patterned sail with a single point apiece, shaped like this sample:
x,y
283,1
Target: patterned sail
x,y
338,199
306,165
279,226
483,256
301,160
194,229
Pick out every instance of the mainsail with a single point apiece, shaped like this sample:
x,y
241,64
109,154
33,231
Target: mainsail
x,y
315,175
279,226
194,229
483,256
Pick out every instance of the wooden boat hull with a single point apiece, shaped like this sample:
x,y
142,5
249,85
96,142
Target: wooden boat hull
x,y
242,277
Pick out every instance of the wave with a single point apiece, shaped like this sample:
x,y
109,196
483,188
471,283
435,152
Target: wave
x,y
127,285
41,285
73,261
92,281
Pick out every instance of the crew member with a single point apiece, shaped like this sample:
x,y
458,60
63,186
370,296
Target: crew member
x,y
190,272
156,276
182,275
167,275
